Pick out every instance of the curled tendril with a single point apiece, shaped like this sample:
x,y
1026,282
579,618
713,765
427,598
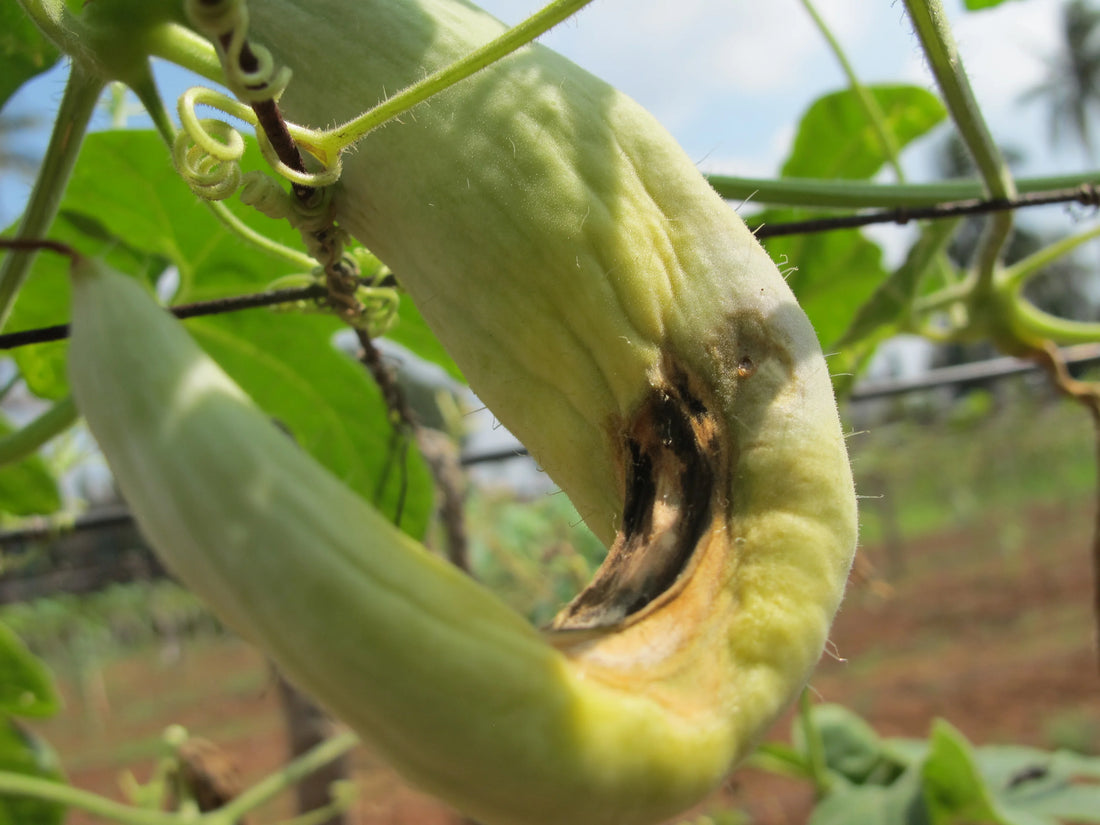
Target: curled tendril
x,y
208,151
379,309
326,176
214,19
226,23
211,175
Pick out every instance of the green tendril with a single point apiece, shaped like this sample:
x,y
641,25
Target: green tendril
x,y
226,23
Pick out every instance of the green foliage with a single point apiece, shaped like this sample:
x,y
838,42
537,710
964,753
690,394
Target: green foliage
x,y
944,781
888,306
26,687
66,627
977,5
836,140
839,275
126,204
24,50
21,752
330,404
27,487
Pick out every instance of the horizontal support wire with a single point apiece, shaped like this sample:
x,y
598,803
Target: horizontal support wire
x,y
217,306
1085,195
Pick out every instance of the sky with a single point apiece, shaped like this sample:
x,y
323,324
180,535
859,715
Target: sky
x,y
731,79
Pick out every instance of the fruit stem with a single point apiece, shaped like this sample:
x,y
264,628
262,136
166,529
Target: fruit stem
x,y
186,48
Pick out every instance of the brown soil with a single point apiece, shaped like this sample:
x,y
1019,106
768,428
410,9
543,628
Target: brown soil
x,y
992,631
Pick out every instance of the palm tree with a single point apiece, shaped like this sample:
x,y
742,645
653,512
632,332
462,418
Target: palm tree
x,y
1072,84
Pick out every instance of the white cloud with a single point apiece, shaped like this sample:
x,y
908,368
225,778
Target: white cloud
x,y
731,79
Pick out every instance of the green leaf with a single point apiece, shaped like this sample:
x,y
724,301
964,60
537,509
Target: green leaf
x,y
24,51
27,487
126,203
125,183
977,5
852,748
24,753
1034,785
26,686
835,273
889,304
836,140
327,402
44,299
900,803
954,789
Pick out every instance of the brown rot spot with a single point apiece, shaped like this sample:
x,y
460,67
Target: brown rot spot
x,y
671,448
745,367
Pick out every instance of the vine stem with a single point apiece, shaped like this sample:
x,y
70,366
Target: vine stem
x,y
938,43
18,784
516,37
77,106
871,109
146,90
273,784
26,440
852,194
1017,275
1037,324
815,747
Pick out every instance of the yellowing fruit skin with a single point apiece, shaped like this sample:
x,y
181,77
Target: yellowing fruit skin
x,y
572,258
455,689
618,317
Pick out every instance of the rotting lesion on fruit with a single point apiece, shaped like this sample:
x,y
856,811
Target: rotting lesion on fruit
x,y
674,456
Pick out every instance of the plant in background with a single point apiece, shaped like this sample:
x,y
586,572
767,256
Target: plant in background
x,y
590,285
862,777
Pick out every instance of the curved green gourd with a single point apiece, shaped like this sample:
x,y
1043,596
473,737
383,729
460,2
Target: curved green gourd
x,y
616,315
